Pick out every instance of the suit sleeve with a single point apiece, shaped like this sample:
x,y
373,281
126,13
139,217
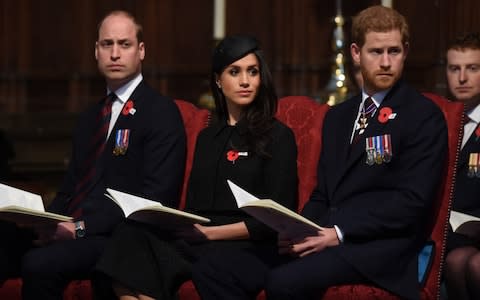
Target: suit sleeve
x,y
60,203
164,156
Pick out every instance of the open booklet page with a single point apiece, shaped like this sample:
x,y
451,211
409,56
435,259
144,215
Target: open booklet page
x,y
18,197
25,208
152,212
460,221
273,214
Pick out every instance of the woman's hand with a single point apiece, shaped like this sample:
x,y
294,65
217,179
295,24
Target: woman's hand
x,y
195,233
235,231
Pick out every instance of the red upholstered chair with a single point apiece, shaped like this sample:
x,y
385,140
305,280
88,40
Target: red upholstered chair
x,y
194,120
431,290
305,117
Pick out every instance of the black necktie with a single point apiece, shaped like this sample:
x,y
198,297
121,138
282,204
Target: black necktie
x,y
96,145
366,114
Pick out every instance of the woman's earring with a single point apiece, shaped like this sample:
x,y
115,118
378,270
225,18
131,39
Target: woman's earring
x,y
219,85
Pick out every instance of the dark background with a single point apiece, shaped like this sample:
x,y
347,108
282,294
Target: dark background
x,y
48,72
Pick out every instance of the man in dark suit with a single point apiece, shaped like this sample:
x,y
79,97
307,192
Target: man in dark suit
x,y
378,174
133,141
463,75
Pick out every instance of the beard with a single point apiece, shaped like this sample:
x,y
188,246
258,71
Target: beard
x,y
376,82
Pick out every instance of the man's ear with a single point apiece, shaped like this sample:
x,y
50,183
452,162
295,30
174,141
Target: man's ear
x,y
355,53
141,48
406,48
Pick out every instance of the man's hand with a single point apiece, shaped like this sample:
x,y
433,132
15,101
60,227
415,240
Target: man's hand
x,y
470,229
195,233
49,234
310,244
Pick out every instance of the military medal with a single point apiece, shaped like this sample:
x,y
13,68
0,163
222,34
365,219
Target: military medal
x,y
387,148
369,148
362,122
121,142
474,165
368,109
378,149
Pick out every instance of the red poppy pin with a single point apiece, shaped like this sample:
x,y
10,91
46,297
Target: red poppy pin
x,y
128,108
232,155
386,114
477,131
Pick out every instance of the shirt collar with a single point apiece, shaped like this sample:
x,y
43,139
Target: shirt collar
x,y
474,114
125,91
377,97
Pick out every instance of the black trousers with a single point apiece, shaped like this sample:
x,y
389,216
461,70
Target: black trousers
x,y
47,270
241,275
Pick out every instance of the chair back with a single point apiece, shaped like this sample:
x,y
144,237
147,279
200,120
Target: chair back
x,y
305,117
194,119
453,112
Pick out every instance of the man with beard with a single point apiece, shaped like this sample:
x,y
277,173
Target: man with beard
x,y
378,174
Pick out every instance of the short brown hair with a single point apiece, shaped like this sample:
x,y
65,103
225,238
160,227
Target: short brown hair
x,y
138,26
378,18
468,40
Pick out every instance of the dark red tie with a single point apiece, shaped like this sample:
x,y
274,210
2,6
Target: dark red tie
x,y
96,145
475,136
368,109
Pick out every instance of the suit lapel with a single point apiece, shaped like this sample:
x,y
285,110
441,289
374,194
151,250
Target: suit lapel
x,y
344,129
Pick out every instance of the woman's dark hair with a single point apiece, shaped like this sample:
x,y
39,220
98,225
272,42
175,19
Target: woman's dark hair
x,y
258,115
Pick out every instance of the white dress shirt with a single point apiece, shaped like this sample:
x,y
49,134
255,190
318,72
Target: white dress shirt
x,y
123,95
471,125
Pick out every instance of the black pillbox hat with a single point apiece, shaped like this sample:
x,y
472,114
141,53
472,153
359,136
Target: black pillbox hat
x,y
231,49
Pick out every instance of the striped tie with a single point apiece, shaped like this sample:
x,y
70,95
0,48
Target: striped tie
x,y
475,136
97,145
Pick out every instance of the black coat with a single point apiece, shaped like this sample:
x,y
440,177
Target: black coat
x,y
152,167
273,177
382,209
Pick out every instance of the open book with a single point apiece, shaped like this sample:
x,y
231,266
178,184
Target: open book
x,y
464,223
25,208
274,215
152,212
